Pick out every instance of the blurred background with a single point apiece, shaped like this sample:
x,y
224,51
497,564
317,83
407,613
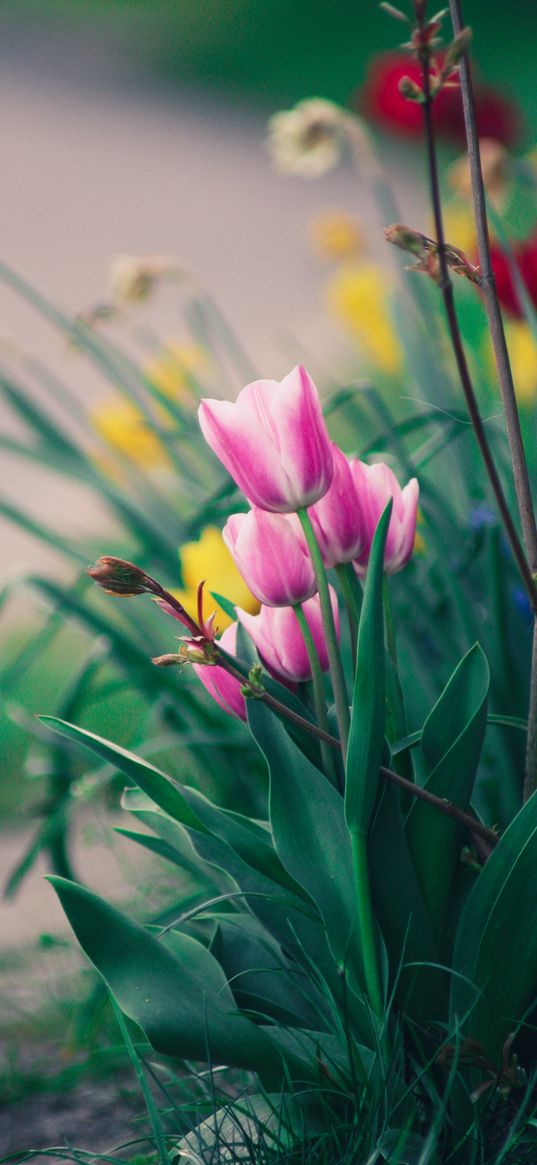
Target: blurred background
x,y
137,127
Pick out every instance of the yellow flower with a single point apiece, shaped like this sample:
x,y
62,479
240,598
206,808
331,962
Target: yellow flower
x,y
335,235
497,172
209,560
523,356
420,545
459,229
172,370
125,429
357,294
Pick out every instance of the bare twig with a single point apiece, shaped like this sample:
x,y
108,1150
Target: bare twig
x,y
505,377
446,807
446,288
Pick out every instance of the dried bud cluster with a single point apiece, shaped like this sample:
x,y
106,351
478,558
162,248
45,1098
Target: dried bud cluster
x,y
426,252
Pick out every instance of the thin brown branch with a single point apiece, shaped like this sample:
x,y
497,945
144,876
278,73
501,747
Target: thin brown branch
x,y
446,807
492,306
505,378
446,288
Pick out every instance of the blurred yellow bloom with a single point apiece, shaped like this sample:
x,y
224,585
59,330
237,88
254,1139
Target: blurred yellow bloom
x,y
420,545
336,235
125,429
459,229
523,356
209,560
357,294
496,165
172,370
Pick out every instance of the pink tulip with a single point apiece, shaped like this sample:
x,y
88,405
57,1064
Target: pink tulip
x,y
273,561
279,641
375,485
273,441
225,689
337,518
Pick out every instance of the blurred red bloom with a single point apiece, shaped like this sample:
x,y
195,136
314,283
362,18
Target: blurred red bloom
x,y
525,257
380,101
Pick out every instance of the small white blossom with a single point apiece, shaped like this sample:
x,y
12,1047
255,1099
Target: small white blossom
x,y
132,278
310,139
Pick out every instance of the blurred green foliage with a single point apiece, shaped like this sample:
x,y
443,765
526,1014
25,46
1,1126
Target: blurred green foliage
x,y
275,52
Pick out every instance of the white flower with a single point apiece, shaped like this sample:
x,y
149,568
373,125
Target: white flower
x,y
132,278
310,138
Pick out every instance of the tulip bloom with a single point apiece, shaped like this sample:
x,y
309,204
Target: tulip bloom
x,y
223,687
271,558
273,441
279,641
375,485
337,519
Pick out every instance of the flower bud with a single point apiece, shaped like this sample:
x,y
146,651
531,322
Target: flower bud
x,y
116,576
279,641
271,557
375,485
410,90
337,518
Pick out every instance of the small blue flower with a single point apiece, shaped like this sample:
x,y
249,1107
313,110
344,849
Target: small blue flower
x,y
482,516
522,603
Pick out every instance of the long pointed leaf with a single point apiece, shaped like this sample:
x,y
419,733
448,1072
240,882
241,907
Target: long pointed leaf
x,y
366,739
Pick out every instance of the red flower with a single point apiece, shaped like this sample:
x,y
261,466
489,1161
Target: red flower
x,y
525,256
381,101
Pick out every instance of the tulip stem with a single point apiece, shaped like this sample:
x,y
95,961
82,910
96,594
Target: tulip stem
x,y
352,595
318,694
334,657
366,920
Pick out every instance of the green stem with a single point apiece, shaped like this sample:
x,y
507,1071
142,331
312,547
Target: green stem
x,y
396,721
389,624
318,693
366,921
352,595
336,666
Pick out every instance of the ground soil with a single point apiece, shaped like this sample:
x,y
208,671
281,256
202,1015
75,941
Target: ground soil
x,y
98,1116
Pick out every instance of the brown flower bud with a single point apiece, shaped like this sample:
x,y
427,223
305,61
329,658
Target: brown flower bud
x,y
171,660
116,576
406,238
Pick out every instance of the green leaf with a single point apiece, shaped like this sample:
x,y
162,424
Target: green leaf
x,y
366,739
402,914
451,742
181,999
261,979
225,604
311,837
151,780
250,840
496,943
